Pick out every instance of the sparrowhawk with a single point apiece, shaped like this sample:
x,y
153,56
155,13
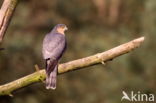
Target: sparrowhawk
x,y
54,45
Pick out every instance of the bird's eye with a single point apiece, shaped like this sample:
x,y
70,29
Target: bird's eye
x,y
63,27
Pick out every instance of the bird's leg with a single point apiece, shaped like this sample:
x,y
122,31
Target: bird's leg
x,y
52,58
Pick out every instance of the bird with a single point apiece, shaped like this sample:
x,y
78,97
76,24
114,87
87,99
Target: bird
x,y
54,45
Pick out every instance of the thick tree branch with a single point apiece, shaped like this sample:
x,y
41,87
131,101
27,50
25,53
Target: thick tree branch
x,y
38,76
6,13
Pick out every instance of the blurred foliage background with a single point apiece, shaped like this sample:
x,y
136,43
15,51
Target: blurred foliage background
x,y
94,26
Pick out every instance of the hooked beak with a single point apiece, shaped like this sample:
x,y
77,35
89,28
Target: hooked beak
x,y
66,29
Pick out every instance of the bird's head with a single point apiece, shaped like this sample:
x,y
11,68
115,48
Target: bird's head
x,y
61,28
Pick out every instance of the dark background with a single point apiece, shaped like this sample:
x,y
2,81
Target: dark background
x,y
94,26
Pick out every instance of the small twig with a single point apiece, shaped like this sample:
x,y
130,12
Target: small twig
x,y
37,68
8,88
102,62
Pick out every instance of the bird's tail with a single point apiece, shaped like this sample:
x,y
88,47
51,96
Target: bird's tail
x,y
51,71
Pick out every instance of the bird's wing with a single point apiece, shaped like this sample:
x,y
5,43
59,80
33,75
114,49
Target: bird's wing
x,y
53,46
50,66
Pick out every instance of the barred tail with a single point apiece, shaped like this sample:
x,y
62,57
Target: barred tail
x,y
51,71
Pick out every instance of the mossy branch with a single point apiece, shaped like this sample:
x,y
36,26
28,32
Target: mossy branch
x,y
103,57
6,13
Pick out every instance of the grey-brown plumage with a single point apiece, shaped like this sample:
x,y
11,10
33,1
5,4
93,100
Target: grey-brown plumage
x,y
54,45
